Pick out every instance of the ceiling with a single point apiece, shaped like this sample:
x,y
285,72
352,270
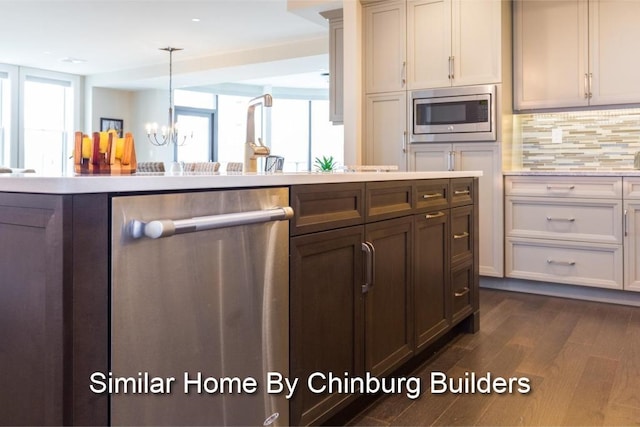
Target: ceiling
x,y
116,42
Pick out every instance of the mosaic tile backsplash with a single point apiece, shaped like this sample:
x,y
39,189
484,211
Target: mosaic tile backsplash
x,y
578,140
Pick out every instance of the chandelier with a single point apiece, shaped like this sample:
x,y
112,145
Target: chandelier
x,y
168,134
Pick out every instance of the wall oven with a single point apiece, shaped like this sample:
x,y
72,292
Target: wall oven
x,y
453,114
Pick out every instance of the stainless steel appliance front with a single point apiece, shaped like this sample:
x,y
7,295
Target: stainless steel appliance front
x,y
453,114
209,304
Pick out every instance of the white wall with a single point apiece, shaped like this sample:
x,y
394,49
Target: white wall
x,y
150,106
109,103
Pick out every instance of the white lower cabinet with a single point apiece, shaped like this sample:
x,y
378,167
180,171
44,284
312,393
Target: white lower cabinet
x,y
631,225
565,230
569,262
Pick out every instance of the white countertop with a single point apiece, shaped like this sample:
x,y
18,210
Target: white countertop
x,y
78,184
618,172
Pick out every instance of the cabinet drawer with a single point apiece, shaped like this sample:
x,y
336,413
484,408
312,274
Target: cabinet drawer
x,y
462,234
432,194
462,291
631,188
319,207
587,220
564,186
573,263
462,192
386,200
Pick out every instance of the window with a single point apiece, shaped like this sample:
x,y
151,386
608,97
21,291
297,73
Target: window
x,y
48,124
195,118
295,128
301,131
5,119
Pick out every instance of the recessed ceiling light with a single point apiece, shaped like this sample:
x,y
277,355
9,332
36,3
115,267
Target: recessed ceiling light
x,y
195,19
71,60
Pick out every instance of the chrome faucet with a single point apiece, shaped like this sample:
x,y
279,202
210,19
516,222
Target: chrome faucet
x,y
253,149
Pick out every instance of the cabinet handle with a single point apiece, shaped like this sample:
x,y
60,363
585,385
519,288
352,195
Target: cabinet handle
x,y
461,236
549,218
452,160
625,224
461,192
567,187
586,86
590,87
404,141
431,196
462,293
435,215
370,253
403,73
552,261
451,67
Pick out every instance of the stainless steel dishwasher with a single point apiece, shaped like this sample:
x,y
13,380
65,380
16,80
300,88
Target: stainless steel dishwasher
x,y
199,286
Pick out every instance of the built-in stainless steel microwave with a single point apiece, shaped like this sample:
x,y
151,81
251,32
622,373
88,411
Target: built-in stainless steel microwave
x,y
453,114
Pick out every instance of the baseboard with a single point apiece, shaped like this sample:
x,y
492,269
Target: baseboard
x,y
560,290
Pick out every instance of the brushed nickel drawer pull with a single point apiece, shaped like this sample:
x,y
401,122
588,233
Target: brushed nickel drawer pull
x,y
461,236
550,218
569,263
566,187
461,192
436,215
464,291
370,273
431,196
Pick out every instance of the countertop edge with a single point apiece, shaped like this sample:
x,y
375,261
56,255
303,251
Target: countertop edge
x,y
612,173
88,184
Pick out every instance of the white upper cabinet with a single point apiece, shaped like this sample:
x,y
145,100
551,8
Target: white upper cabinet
x,y
385,47
614,34
453,42
575,53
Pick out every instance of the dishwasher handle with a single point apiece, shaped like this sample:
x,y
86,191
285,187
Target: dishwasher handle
x,y
168,227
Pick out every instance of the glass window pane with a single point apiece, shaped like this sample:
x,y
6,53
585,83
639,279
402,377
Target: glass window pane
x,y
290,133
48,129
326,139
43,151
232,132
198,148
5,120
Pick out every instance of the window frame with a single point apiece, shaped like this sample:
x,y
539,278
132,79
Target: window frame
x,y
75,82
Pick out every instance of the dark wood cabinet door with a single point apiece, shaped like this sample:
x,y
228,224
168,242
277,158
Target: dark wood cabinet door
x,y
31,302
326,317
432,300
388,308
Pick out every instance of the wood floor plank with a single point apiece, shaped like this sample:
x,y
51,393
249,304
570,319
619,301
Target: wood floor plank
x,y
620,415
610,339
626,385
548,401
476,404
591,396
550,343
506,409
588,325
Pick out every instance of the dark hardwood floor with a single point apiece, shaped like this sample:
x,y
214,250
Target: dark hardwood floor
x,y
582,359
